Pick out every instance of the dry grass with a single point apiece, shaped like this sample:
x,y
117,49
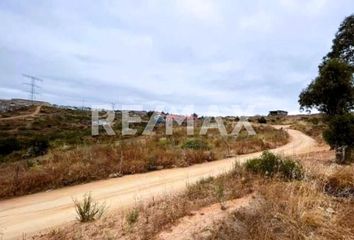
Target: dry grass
x,y
300,209
63,167
157,214
20,111
288,210
341,182
88,209
296,210
313,129
336,180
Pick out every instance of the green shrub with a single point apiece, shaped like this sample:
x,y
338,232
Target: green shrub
x,y
88,210
314,121
206,180
195,144
220,194
270,164
38,147
262,120
9,145
290,169
340,136
132,216
267,164
340,131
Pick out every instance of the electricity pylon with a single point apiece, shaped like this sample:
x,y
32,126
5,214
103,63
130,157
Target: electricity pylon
x,y
33,85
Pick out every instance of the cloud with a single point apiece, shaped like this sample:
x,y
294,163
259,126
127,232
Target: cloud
x,y
306,6
258,21
203,10
256,55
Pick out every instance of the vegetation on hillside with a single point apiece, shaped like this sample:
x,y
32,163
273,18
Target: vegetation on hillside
x,y
56,149
311,126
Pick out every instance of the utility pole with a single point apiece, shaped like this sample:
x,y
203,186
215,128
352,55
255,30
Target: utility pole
x,y
83,104
33,85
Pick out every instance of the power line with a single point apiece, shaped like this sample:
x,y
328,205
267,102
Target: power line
x,y
33,85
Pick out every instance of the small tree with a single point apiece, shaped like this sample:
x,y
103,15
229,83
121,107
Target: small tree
x,y
38,147
262,120
9,145
340,135
343,43
332,92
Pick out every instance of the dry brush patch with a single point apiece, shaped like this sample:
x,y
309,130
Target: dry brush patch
x,y
313,127
93,162
341,182
20,111
296,210
88,209
303,209
299,209
336,180
145,220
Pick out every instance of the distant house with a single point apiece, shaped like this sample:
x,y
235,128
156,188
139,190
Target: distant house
x,y
278,113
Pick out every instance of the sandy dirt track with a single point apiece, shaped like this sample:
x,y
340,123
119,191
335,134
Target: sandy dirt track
x,y
37,212
35,113
199,224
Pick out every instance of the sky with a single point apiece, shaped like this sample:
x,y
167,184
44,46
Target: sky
x,y
224,56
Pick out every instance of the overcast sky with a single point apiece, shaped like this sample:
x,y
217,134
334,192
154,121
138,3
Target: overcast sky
x,y
245,57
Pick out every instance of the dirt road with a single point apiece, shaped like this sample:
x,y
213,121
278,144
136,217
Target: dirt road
x,y
36,112
33,213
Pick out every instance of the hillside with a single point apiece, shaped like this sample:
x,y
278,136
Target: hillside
x,y
55,148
